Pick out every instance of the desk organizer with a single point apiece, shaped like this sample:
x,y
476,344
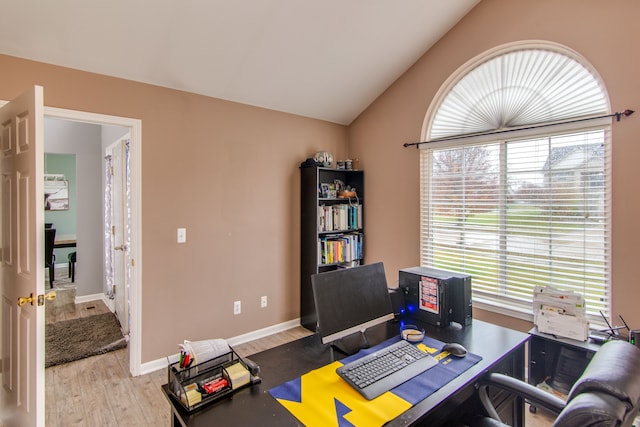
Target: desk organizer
x,y
208,381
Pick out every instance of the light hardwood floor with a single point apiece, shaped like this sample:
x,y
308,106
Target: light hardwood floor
x,y
99,391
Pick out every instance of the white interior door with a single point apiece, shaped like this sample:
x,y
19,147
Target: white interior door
x,y
22,263
120,246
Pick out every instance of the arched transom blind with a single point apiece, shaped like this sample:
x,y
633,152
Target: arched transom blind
x,y
516,89
526,209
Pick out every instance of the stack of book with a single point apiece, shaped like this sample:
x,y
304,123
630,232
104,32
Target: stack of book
x,y
341,248
339,217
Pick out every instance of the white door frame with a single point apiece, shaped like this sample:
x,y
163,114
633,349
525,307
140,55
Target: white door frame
x,y
135,291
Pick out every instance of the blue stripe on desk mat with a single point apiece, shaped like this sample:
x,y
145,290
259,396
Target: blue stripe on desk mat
x,y
320,397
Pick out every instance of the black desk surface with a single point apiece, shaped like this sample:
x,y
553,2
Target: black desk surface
x,y
255,406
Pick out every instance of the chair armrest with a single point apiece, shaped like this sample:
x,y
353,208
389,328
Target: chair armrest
x,y
519,388
595,409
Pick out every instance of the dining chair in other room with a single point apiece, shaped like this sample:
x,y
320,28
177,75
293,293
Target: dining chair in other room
x,y
49,255
72,257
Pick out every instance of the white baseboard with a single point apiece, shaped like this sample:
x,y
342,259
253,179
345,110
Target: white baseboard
x,y
110,303
96,297
147,368
264,332
58,265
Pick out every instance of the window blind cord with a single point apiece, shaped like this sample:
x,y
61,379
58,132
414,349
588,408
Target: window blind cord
x,y
617,115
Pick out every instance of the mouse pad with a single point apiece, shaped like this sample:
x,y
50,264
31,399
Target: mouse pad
x,y
321,398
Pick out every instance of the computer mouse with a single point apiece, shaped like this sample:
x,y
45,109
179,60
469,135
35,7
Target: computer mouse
x,y
455,349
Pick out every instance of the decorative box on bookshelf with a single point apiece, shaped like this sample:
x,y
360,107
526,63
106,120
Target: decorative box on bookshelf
x,y
331,227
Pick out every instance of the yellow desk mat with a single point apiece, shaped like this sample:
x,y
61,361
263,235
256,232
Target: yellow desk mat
x,y
321,398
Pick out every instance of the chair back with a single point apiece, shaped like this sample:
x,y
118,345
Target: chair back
x,y
608,392
49,240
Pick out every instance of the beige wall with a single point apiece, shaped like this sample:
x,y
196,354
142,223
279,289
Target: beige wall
x,y
603,32
228,172
225,171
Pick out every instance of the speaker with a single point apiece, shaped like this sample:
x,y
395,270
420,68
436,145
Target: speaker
x,y
397,301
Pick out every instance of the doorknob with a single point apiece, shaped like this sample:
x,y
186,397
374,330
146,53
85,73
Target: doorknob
x,y
25,300
30,299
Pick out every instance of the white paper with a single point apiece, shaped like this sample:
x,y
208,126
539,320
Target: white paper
x,y
561,313
574,327
565,302
204,350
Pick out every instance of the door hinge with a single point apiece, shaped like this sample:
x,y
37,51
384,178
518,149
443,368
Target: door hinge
x,y
113,289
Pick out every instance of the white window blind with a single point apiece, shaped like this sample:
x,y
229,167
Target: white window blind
x,y
519,88
531,210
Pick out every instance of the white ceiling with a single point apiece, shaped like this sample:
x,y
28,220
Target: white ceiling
x,y
326,59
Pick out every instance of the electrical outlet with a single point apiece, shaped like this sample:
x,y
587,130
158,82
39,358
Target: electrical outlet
x,y
263,302
237,308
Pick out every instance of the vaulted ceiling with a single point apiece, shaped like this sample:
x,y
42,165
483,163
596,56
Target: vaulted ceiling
x,y
325,59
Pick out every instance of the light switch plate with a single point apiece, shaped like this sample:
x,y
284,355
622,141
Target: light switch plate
x,y
182,235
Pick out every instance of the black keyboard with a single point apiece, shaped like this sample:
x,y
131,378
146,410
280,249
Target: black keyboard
x,y
385,369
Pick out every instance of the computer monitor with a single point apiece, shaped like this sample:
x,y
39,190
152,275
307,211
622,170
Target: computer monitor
x,y
348,301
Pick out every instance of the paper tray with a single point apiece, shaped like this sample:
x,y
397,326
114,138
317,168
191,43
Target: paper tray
x,y
181,382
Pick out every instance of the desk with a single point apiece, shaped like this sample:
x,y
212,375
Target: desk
x,y
502,351
65,241
558,361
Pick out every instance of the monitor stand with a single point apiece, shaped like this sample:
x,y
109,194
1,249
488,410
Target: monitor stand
x,y
351,344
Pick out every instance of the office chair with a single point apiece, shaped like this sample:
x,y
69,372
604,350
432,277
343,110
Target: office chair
x,y
606,394
49,255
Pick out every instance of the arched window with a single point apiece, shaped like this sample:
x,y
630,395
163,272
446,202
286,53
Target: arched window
x,y
516,192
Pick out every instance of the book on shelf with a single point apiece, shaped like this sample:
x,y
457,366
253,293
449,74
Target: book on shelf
x,y
340,217
340,248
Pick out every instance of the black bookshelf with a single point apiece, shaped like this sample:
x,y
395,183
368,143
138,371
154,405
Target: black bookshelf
x,y
321,239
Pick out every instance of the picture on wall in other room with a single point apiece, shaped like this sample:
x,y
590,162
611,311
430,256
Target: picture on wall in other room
x,y
56,192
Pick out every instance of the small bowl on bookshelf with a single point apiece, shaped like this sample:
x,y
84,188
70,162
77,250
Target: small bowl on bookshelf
x,y
346,194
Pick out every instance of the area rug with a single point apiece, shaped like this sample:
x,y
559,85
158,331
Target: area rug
x,y
76,339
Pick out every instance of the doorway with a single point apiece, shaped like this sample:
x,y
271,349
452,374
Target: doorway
x,y
133,127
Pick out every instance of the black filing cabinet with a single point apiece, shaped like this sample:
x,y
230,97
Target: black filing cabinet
x,y
557,361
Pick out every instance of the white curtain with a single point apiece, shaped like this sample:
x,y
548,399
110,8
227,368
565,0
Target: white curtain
x,y
108,236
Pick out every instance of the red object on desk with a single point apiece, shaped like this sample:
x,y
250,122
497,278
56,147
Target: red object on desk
x,y
215,385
